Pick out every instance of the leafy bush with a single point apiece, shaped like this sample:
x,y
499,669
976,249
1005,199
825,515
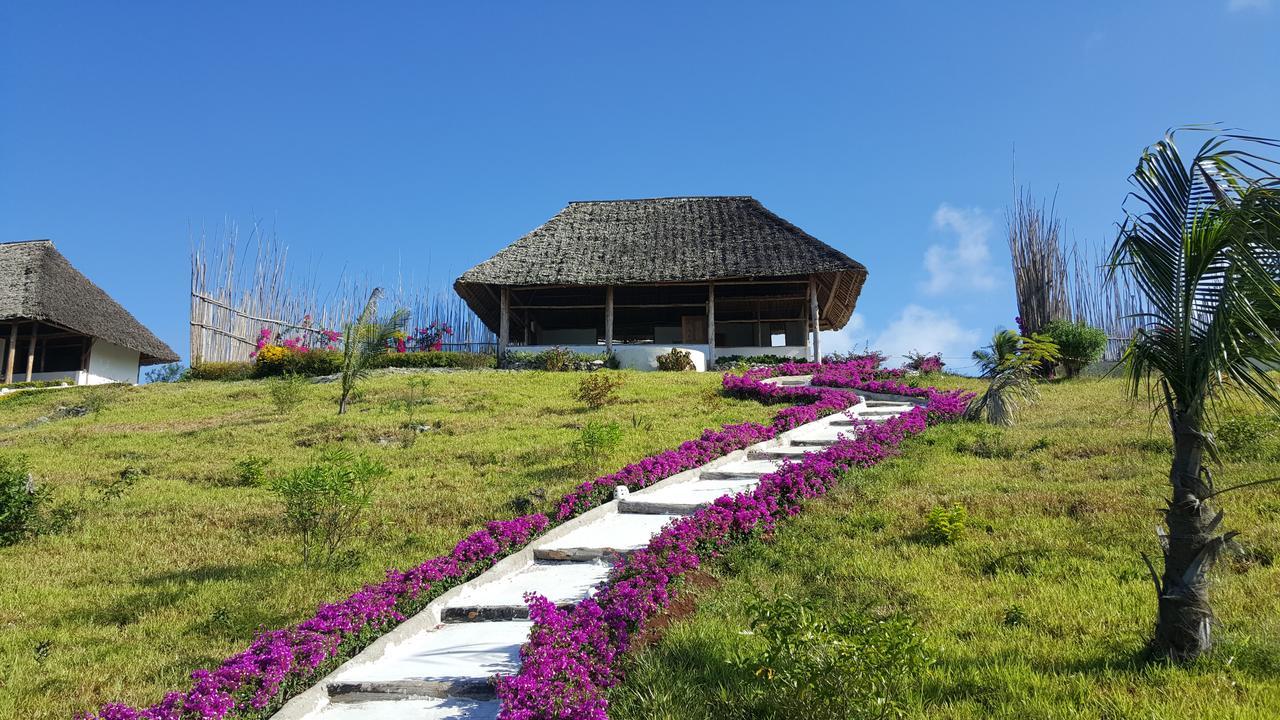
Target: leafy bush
x,y
730,360
465,360
226,371
1079,344
324,502
250,471
595,441
557,359
287,391
876,357
170,372
598,389
943,525
808,663
25,384
97,398
19,500
1245,437
273,361
675,361
924,364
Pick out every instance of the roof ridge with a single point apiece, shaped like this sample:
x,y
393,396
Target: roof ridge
x,y
666,197
26,242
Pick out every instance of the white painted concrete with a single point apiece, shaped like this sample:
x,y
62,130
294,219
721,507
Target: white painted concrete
x,y
432,709
559,582
110,363
685,497
609,535
463,651
741,469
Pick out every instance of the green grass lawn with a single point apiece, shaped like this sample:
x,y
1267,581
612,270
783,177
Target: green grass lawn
x,y
1042,606
181,569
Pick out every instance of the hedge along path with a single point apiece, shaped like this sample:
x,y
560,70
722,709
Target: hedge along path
x,y
369,624
447,670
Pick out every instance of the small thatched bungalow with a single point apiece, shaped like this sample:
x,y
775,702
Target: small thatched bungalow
x,y
716,276
57,325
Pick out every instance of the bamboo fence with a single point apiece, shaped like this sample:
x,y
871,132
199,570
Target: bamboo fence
x,y
239,286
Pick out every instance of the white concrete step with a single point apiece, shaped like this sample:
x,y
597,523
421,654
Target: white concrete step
x,y
748,469
455,661
819,436
790,380
778,453
432,709
684,498
561,582
609,535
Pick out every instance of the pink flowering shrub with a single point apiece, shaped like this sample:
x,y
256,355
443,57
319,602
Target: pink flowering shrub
x,y
431,338
569,660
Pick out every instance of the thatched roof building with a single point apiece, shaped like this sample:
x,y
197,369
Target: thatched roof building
x,y
59,320
681,270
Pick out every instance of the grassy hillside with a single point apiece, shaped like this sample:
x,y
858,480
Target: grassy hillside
x,y
1039,609
188,561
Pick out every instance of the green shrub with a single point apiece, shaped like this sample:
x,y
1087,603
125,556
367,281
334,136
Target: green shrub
x,y
434,359
944,525
311,363
598,389
167,373
595,441
1244,437
19,500
807,662
557,359
1079,344
287,391
226,371
324,503
733,360
250,471
675,361
26,384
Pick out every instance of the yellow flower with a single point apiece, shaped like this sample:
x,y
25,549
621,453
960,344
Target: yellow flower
x,y
272,354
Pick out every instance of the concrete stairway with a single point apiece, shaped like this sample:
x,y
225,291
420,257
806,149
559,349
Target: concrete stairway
x,y
430,670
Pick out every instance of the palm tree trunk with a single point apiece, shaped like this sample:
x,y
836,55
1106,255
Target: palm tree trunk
x,y
1185,616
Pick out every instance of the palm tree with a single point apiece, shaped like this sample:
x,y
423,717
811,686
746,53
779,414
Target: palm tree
x,y
364,338
1202,247
1013,364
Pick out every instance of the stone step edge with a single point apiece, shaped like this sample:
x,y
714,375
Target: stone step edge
x,y
364,691
493,613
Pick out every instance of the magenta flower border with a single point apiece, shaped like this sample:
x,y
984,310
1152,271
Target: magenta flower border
x,y
277,662
571,659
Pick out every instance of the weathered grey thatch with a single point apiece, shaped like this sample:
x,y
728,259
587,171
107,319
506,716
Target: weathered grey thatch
x,y
665,240
37,283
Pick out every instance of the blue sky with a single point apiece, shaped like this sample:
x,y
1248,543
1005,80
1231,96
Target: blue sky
x,y
421,137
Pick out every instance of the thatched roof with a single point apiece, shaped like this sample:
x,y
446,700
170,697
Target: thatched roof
x,y
37,283
665,240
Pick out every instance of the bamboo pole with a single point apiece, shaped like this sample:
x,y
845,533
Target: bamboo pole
x,y
813,319
711,324
11,352
504,320
608,320
31,350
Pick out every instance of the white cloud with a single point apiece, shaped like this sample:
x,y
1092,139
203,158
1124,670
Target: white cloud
x,y
928,331
965,264
846,339
1245,5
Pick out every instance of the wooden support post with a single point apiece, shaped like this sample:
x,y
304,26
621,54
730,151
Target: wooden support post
x,y
711,325
12,351
813,319
31,351
608,320
504,324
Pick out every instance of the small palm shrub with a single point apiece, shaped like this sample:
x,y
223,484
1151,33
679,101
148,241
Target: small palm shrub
x,y
19,500
1079,344
943,526
1013,363
676,361
598,389
807,662
325,502
287,392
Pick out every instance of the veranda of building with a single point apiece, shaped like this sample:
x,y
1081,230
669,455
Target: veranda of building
x,y
716,276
